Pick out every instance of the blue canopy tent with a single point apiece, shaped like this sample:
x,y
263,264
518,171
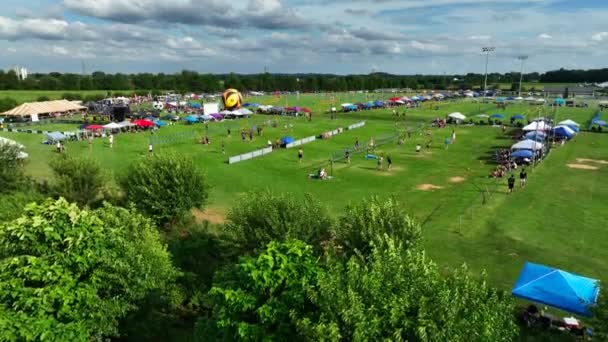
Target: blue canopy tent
x,y
518,117
563,132
559,101
560,289
251,104
510,98
536,136
497,116
191,119
287,140
500,99
206,117
160,123
379,103
522,154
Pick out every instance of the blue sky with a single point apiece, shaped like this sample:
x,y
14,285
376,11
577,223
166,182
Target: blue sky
x,y
339,36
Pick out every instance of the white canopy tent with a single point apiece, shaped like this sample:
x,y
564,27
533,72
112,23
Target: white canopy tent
x,y
530,99
346,104
126,124
519,98
527,145
537,126
457,116
569,123
112,125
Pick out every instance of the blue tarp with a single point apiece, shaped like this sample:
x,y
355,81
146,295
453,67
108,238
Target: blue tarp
x,y
287,140
497,116
518,117
522,154
560,289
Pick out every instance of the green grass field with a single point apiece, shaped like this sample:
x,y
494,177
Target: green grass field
x,y
32,95
558,219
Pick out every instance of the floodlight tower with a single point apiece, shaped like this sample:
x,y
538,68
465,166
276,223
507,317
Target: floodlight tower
x,y
486,50
521,72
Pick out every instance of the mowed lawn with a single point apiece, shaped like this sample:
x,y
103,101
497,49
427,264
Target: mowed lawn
x,y
558,219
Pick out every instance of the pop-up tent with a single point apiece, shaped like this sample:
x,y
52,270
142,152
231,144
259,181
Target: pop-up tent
x,y
539,136
560,289
537,126
112,125
56,136
559,101
518,117
457,116
527,145
564,132
497,116
523,154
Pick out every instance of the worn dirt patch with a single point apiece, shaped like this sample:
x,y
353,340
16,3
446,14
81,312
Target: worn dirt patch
x,y
582,167
211,215
457,179
583,160
428,187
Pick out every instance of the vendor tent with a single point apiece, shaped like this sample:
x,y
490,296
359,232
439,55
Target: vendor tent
x,y
126,124
55,136
44,107
559,101
527,145
536,136
160,123
537,126
497,116
457,116
484,116
564,132
206,117
522,154
518,117
569,123
112,125
143,123
94,127
560,289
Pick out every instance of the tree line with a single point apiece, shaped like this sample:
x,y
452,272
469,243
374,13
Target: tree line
x,y
191,81
86,257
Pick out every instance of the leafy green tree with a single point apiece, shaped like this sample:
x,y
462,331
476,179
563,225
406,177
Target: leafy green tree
x,y
399,294
12,175
365,221
165,187
263,216
68,274
42,98
13,203
263,298
78,179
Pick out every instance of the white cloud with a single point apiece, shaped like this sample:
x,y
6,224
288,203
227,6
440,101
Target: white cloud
x,y
544,36
598,37
58,50
483,37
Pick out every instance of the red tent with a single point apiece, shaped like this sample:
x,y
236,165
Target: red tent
x,y
94,127
143,123
306,110
394,99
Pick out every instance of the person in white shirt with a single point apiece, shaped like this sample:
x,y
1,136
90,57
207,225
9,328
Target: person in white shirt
x,y
111,140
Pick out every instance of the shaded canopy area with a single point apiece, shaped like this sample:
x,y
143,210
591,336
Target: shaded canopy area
x,y
44,107
554,287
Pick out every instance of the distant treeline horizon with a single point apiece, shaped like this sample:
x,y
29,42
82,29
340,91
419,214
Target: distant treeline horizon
x,y
191,81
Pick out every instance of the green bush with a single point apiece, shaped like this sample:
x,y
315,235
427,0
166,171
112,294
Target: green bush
x,y
42,98
165,187
78,179
71,96
262,217
7,103
12,174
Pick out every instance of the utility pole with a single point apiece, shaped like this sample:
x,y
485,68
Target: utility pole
x,y
521,72
486,50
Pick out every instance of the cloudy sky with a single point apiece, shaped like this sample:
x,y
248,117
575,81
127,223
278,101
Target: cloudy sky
x,y
328,36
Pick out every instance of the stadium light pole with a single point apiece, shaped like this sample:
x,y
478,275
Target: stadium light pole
x,y
486,50
521,71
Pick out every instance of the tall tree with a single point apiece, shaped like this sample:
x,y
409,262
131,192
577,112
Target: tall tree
x,y
78,179
68,274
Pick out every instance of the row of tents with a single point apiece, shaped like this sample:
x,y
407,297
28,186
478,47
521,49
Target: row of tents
x,y
536,134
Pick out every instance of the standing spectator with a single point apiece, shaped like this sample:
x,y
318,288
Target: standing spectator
x,y
111,140
523,177
418,148
380,161
150,148
453,136
223,147
347,156
511,182
357,143
300,155
389,163
447,143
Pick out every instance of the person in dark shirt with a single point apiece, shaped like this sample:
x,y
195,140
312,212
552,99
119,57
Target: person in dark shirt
x,y
389,163
523,177
300,155
347,156
511,183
